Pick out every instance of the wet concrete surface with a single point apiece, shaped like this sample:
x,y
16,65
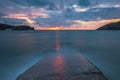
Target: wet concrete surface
x,y
63,67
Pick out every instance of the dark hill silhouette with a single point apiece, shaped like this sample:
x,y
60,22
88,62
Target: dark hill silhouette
x,y
5,26
111,26
22,27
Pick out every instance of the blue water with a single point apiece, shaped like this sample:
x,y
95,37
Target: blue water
x,y
21,49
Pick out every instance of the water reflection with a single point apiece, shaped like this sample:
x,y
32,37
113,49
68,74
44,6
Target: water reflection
x,y
57,42
58,62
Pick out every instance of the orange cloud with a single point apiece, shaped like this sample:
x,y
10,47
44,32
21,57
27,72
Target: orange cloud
x,y
20,16
28,17
92,25
81,25
39,14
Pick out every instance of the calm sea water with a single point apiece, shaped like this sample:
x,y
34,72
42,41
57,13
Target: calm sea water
x,y
21,49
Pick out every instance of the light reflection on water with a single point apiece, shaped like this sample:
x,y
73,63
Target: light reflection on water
x,y
58,62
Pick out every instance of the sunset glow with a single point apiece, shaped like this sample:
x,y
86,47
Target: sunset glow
x,y
49,28
20,16
81,25
53,28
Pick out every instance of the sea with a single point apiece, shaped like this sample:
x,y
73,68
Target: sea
x,y
19,50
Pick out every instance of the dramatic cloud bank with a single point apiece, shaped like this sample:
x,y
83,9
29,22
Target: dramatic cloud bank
x,y
65,14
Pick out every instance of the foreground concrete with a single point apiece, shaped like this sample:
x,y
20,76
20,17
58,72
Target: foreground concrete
x,y
63,67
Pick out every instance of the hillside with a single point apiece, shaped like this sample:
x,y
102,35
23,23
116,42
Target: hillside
x,y
22,27
6,26
111,26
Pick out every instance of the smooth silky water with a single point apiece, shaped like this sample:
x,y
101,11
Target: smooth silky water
x,y
19,50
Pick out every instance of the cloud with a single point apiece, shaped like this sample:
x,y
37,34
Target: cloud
x,y
93,25
2,14
52,13
13,21
20,16
79,9
107,6
90,14
32,2
80,25
49,4
84,3
54,21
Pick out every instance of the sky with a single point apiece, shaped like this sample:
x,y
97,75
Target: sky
x,y
60,14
